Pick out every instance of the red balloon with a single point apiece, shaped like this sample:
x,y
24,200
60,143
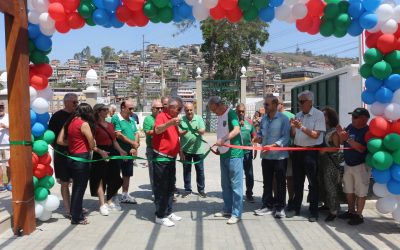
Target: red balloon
x,y
368,136
131,23
35,159
44,69
39,81
386,43
56,11
62,27
45,159
379,126
316,7
234,15
49,170
395,127
303,25
217,12
123,14
55,1
71,5
372,40
134,5
39,171
75,21
316,24
140,19
230,5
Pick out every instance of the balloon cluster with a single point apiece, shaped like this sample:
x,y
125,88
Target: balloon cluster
x,y
200,8
311,23
292,10
158,11
131,13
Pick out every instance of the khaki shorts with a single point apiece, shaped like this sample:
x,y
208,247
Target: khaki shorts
x,y
356,180
4,156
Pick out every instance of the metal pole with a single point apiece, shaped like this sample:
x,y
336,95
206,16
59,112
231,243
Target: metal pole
x,y
143,76
263,80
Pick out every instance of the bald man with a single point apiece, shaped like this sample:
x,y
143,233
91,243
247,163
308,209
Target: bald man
x,y
191,130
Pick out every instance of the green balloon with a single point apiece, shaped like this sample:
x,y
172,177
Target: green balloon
x,y
48,136
85,9
41,194
382,160
38,57
396,156
395,70
343,6
343,21
150,10
368,160
381,70
365,71
246,4
46,182
35,182
374,145
392,141
393,58
161,3
251,14
332,1
40,147
155,19
331,10
89,21
260,3
327,28
372,56
31,46
32,138
165,14
339,33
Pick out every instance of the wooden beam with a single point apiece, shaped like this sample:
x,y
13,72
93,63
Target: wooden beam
x,y
7,7
17,61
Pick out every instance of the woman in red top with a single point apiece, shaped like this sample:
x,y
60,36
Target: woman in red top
x,y
77,134
105,175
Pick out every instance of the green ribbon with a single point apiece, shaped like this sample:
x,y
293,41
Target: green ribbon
x,y
23,143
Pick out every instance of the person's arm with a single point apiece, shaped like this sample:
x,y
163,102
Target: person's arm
x,y
85,130
125,139
234,132
118,147
356,145
159,129
285,134
292,128
60,138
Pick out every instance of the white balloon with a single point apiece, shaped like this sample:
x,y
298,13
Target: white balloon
x,y
396,13
40,5
386,205
191,2
32,94
47,31
283,12
392,111
299,11
200,13
38,210
40,105
396,214
46,93
389,27
384,12
33,17
46,215
46,21
209,4
29,4
396,96
377,108
380,190
291,2
51,203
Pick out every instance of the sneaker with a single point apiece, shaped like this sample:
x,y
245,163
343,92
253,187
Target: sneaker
x,y
164,222
291,213
174,199
345,216
9,187
202,194
222,214
313,218
3,189
264,211
233,220
104,210
356,220
114,207
174,217
250,198
186,194
128,199
279,214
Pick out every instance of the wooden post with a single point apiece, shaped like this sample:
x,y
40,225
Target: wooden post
x,y
17,61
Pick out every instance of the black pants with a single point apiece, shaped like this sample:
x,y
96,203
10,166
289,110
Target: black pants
x,y
187,172
80,172
248,172
305,163
164,183
271,168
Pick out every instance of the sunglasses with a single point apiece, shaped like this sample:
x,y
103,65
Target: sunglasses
x,y
303,101
130,109
241,111
179,109
75,102
266,104
187,110
355,117
159,108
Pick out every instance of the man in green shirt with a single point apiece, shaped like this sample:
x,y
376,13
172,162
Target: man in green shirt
x,y
128,138
248,132
148,127
191,129
231,160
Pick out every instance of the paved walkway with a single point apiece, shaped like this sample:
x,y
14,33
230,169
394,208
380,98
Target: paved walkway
x,y
133,227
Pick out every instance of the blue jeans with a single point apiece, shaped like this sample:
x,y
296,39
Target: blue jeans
x,y
187,172
232,185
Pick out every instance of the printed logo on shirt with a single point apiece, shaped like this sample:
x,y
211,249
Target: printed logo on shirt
x,y
224,123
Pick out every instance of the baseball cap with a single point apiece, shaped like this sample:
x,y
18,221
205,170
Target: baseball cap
x,y
360,112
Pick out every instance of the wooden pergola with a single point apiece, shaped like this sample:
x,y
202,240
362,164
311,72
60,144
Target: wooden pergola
x,y
17,61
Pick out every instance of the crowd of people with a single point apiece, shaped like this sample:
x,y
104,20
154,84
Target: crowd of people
x,y
81,130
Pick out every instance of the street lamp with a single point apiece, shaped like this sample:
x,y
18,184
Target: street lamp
x,y
91,80
198,71
243,71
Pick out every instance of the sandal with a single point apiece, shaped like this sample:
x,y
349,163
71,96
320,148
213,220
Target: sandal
x,y
85,211
80,222
67,216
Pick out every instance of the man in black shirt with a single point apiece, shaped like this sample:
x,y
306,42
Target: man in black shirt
x,y
61,162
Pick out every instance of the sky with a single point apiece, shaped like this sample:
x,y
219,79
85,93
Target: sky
x,y
283,38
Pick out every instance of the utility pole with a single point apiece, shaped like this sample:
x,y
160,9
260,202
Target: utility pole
x,y
143,75
263,81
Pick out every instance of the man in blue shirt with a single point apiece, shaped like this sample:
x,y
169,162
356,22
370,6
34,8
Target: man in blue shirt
x,y
274,132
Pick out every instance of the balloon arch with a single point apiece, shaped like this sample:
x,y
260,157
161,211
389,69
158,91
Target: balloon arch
x,y
378,19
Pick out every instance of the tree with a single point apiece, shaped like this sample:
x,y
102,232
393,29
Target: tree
x,y
84,54
228,46
136,87
107,53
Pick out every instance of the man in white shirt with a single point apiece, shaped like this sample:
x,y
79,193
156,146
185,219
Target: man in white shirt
x,y
4,148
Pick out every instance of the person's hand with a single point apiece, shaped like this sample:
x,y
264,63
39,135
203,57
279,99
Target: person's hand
x,y
241,123
2,125
297,123
219,142
256,140
135,145
292,122
122,153
104,154
344,136
174,121
133,152
181,155
254,154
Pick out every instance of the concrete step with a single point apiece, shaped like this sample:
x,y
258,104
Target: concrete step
x,y
5,211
